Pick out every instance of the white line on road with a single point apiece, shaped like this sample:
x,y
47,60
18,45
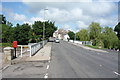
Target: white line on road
x,y
100,65
47,67
46,76
5,67
49,61
116,73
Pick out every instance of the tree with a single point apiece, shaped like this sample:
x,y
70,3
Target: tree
x,y
22,33
50,28
117,29
25,33
7,33
38,29
2,19
95,33
78,36
110,39
83,34
71,35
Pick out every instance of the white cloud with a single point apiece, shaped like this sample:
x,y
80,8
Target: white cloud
x,y
0,7
55,14
107,22
36,19
80,14
30,23
66,27
14,16
57,1
81,25
33,19
19,17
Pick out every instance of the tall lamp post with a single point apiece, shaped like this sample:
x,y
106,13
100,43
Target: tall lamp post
x,y
44,27
74,38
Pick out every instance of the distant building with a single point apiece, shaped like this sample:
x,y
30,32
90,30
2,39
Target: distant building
x,y
61,34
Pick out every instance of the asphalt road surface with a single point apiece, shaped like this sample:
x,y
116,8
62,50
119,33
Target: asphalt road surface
x,y
26,70
70,61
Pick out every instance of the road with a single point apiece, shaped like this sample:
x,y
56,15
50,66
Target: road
x,y
70,61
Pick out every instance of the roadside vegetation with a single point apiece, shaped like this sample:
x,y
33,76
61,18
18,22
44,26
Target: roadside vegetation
x,y
5,44
101,37
24,33
95,47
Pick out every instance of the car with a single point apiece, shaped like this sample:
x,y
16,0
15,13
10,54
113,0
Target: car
x,y
51,39
57,40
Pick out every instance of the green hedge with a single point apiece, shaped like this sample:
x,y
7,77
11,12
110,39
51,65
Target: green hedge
x,y
5,44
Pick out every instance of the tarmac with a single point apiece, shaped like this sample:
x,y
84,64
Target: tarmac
x,y
85,47
30,67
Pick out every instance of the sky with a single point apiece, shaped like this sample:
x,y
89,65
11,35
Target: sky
x,y
69,15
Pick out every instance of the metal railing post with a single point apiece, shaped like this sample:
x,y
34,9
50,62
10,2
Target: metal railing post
x,y
21,51
30,50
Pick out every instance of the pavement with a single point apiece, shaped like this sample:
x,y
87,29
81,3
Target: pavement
x,y
85,47
42,54
32,67
71,61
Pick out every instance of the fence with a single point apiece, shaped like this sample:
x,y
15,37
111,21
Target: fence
x,y
82,42
23,49
36,46
32,48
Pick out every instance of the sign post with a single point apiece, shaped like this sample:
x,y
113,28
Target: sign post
x,y
15,45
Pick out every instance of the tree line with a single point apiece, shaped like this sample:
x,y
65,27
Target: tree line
x,y
25,33
106,37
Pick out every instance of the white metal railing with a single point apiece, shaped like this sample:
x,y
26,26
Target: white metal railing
x,y
36,46
31,47
22,50
82,42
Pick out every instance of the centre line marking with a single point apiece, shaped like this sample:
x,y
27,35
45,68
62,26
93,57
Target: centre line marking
x,y
100,65
116,73
49,61
47,67
46,76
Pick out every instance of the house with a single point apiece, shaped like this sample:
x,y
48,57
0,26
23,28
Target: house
x,y
61,34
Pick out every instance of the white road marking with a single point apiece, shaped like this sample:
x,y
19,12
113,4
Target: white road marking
x,y
49,61
46,76
116,73
5,67
47,67
100,65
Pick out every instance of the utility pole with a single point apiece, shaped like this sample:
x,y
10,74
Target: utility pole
x,y
75,37
44,28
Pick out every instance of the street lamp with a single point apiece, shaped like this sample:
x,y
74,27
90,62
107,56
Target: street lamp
x,y
44,27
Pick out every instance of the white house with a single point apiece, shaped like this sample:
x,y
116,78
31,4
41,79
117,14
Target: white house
x,y
66,37
61,34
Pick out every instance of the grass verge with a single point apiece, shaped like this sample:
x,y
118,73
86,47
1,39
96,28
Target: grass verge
x,y
5,44
95,47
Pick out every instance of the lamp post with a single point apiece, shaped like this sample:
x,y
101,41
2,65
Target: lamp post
x,y
44,27
74,38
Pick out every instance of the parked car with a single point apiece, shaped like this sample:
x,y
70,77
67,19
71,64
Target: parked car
x,y
57,40
51,39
